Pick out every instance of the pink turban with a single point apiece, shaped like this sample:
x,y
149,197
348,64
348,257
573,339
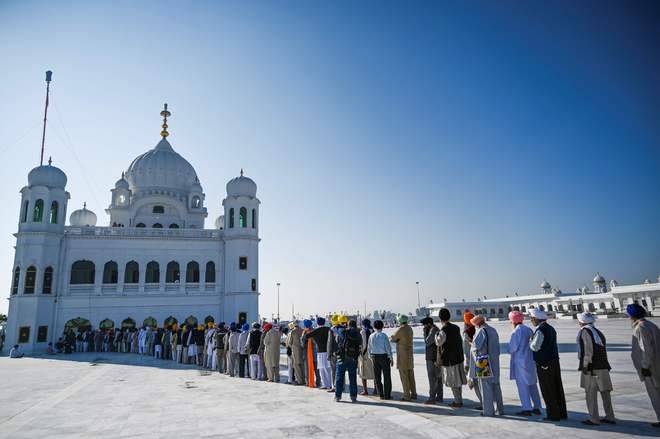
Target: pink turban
x,y
516,317
477,320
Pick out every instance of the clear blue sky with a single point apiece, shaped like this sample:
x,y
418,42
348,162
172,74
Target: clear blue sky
x,y
478,147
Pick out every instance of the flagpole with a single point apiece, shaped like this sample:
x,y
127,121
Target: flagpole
x,y
49,76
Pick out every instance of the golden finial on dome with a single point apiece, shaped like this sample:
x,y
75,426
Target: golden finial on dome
x,y
165,115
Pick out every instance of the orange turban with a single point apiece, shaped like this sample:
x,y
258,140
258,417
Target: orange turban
x,y
477,320
467,316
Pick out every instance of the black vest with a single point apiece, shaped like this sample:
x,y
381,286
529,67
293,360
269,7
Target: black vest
x,y
451,352
599,359
548,351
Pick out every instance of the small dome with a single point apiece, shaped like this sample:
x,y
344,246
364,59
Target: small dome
x,y
220,222
545,285
196,186
47,175
83,217
122,183
242,186
599,279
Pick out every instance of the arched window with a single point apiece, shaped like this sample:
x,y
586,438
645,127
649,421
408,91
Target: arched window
x,y
191,321
541,307
591,307
82,272
14,284
30,279
141,225
192,272
26,211
52,218
158,209
47,287
242,218
132,273
602,305
523,309
550,307
210,272
153,273
196,202
254,218
110,272
157,226
172,274
231,218
38,213
174,226
209,319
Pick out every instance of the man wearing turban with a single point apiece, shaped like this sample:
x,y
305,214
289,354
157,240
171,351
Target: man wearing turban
x,y
546,356
646,354
450,357
522,367
485,354
272,341
294,342
253,342
433,367
403,337
595,376
320,337
468,335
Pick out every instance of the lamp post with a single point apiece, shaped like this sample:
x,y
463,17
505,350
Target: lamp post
x,y
419,305
278,302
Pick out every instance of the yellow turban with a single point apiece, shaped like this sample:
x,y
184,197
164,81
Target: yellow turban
x,y
343,319
334,320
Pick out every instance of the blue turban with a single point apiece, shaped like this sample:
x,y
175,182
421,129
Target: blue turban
x,y
232,326
366,323
320,321
307,324
246,327
635,311
221,325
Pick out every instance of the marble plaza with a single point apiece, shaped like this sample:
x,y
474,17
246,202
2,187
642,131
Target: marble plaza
x,y
126,395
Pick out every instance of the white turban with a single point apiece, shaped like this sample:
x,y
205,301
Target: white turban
x,y
586,318
538,314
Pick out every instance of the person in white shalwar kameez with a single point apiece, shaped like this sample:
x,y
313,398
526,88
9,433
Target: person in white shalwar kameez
x,y
210,345
522,366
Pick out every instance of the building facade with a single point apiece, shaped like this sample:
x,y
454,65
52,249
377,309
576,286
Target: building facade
x,y
601,299
153,263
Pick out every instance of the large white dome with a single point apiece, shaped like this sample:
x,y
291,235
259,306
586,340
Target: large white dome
x,y
162,168
47,175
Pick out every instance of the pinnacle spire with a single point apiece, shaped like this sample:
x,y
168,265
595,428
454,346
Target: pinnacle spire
x,y
165,113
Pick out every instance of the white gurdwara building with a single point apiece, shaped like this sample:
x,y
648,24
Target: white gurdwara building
x,y
153,263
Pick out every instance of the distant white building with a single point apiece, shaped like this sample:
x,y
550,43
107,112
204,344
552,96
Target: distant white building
x,y
154,262
601,300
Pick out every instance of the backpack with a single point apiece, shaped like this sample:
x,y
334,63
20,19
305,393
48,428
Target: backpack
x,y
349,344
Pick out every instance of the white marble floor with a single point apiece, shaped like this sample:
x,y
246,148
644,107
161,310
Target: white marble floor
x,y
123,395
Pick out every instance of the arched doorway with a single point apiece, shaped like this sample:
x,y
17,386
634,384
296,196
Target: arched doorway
x,y
128,323
170,321
77,324
106,324
150,321
191,321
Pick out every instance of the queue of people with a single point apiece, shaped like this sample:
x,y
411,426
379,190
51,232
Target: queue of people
x,y
320,355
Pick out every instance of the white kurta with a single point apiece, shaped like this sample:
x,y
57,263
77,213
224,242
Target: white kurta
x,y
523,368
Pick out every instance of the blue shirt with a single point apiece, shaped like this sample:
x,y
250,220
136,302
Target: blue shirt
x,y
379,343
